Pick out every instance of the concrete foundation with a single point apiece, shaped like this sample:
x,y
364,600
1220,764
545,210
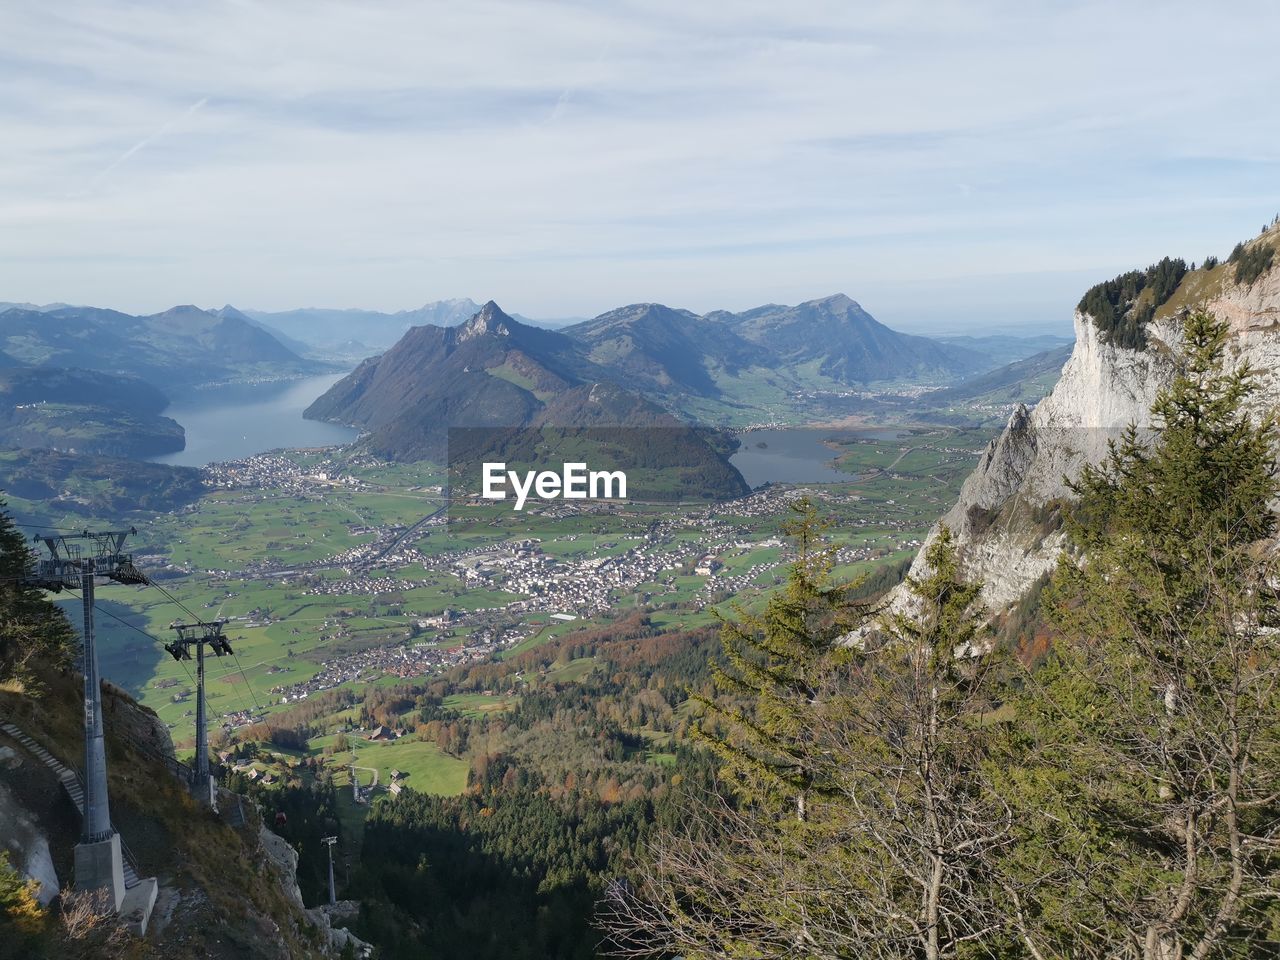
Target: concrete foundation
x,y
206,794
139,901
99,866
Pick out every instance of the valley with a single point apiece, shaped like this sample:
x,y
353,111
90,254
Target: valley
x,y
307,556
388,649
403,647
639,482
425,674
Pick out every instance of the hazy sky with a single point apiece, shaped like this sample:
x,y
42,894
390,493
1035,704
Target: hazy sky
x,y
946,164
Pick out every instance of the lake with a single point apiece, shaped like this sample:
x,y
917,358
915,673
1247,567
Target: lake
x,y
789,455
230,423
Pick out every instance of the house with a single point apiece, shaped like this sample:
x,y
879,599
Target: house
x,y
395,788
382,733
396,774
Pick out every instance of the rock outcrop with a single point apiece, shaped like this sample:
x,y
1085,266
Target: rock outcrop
x,y
226,888
26,842
1006,519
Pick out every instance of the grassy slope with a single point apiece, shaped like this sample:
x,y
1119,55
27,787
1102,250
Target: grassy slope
x,y
230,894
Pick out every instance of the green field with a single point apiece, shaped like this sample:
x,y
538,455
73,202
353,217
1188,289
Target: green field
x,y
283,629
426,769
478,704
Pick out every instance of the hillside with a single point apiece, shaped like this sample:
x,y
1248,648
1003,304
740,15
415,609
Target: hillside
x,y
1008,383
183,344
663,350
93,486
518,389
228,312
85,411
836,338
1006,520
222,887
1005,348
490,371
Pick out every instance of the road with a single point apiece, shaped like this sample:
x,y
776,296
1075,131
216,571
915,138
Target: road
x,y
409,532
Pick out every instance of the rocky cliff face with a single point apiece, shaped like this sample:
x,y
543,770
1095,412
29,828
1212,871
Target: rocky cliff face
x,y
1005,520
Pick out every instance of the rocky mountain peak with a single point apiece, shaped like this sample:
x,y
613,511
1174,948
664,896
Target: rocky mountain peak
x,y
489,320
837,303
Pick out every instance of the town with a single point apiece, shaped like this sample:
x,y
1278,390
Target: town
x,y
415,591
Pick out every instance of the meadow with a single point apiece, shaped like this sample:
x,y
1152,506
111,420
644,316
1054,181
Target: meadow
x,y
283,628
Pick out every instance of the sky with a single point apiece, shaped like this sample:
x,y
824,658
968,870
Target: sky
x,y
952,166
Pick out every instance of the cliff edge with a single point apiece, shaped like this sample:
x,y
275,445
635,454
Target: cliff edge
x,y
1007,520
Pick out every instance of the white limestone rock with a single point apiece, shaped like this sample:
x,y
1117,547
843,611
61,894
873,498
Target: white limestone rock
x,y
997,520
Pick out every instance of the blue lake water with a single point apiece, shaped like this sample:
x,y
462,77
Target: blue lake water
x,y
228,423
788,455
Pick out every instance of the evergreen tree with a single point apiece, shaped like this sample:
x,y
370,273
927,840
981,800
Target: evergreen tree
x,y
32,630
22,920
775,665
917,817
891,861
1149,749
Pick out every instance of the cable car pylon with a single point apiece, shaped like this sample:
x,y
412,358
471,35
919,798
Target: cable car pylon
x,y
199,635
75,561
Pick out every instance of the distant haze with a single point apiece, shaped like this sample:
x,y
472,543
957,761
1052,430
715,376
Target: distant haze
x,y
951,166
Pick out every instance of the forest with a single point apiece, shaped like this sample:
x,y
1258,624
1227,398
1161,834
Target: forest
x,y
922,791
1094,774
1119,308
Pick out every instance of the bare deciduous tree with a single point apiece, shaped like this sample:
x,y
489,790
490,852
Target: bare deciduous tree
x,y
891,862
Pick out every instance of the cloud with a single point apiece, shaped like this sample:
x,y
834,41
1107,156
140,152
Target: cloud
x,y
151,138
565,157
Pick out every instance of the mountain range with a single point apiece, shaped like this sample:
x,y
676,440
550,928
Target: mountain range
x,y
453,363
495,370
87,380
837,339
326,331
494,375
182,345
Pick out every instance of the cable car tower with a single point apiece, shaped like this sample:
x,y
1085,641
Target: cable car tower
x,y
199,635
333,894
74,562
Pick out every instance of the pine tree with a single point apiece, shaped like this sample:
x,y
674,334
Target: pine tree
x,y
890,862
22,920
775,664
1147,754
32,630
917,817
